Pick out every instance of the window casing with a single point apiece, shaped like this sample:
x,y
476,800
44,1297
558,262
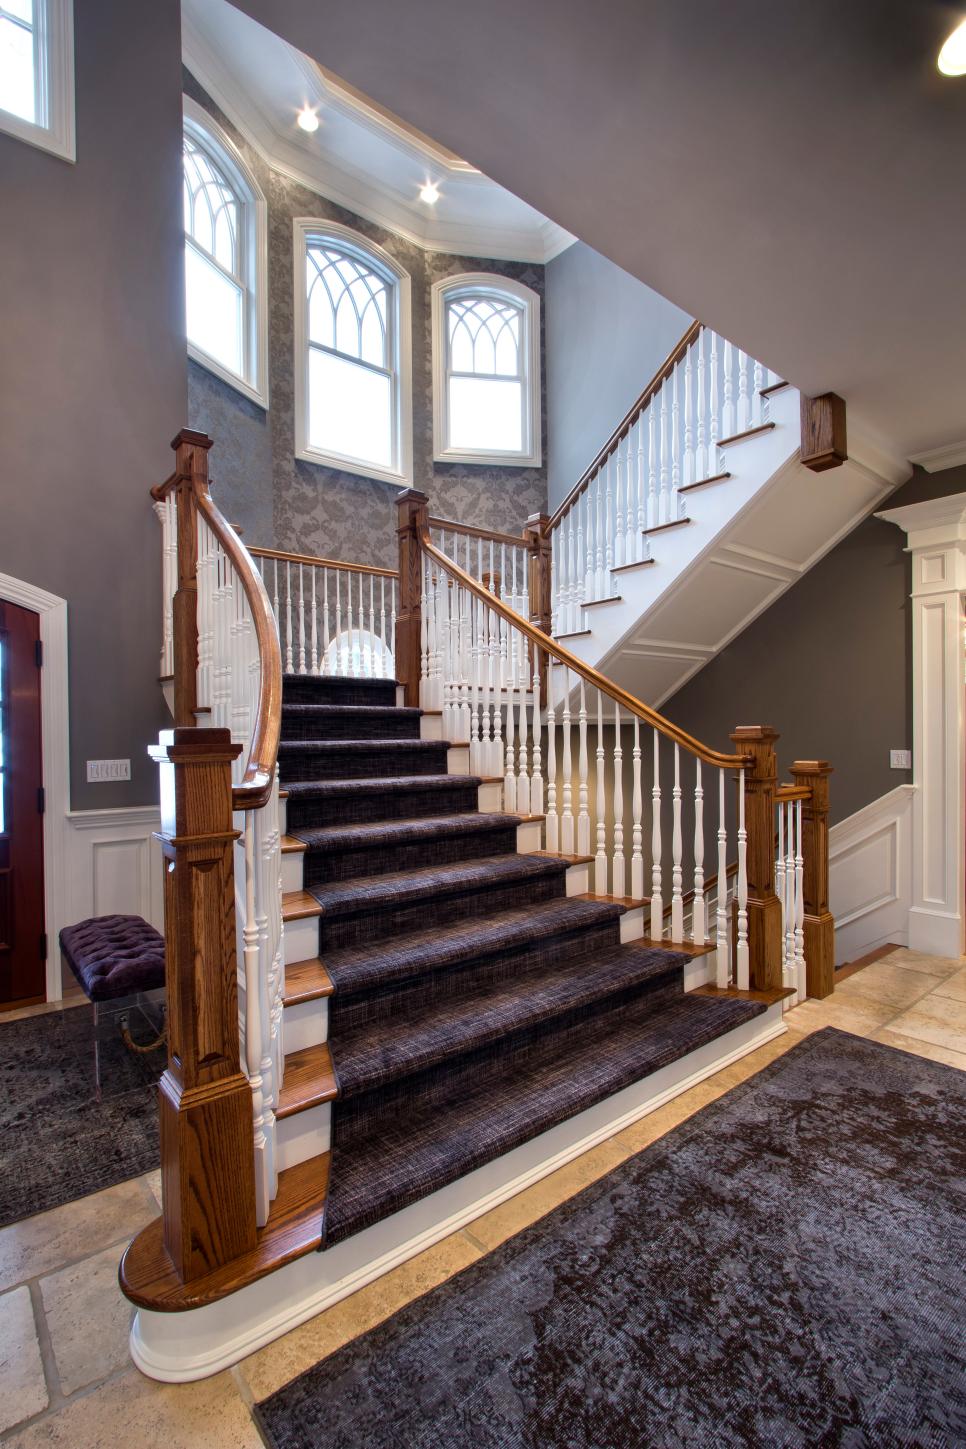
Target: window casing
x,y
226,258
486,371
353,390
37,73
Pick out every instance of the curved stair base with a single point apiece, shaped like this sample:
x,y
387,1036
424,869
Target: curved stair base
x,y
178,1347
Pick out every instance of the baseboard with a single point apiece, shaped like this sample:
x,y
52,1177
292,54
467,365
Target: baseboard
x,y
182,1347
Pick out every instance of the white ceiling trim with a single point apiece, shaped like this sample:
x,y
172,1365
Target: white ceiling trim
x,y
951,455
375,204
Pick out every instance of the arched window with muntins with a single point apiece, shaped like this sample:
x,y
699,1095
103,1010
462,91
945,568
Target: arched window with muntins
x,y
350,354
225,262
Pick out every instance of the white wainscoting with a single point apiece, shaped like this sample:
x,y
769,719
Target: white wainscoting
x,y
870,875
113,865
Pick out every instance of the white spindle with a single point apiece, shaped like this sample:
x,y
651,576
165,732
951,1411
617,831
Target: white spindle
x,y
600,806
618,870
677,846
553,819
664,507
674,508
799,906
315,625
583,802
728,427
536,776
567,813
699,928
619,506
657,897
288,618
688,472
744,397
523,749
326,632
714,431
782,893
741,948
702,455
301,621
637,823
653,507
722,960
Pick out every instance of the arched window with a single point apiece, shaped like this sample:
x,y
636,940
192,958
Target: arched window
x,y
352,354
486,371
225,258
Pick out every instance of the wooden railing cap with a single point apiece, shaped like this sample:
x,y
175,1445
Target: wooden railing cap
x,y
812,767
192,436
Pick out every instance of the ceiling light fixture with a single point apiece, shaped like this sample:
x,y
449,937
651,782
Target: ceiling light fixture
x,y
952,57
307,119
429,193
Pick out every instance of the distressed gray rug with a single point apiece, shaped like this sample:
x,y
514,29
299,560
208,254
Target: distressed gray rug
x,y
786,1268
56,1142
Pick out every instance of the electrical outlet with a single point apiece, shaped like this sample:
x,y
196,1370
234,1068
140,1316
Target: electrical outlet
x,y
900,759
101,771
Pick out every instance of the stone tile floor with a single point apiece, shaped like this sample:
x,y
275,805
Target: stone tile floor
x,y
65,1378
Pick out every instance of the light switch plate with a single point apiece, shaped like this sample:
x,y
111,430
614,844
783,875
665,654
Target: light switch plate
x,y
100,771
900,759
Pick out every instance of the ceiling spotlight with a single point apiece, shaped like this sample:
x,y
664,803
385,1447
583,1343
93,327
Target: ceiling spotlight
x,y
307,119
429,193
952,57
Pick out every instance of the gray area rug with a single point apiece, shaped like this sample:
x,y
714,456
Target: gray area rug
x,y
786,1268
56,1142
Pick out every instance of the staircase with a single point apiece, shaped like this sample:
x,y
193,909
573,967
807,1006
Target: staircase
x,y
479,996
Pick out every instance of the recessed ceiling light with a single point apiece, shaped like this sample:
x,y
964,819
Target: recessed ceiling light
x,y
429,193
307,119
952,57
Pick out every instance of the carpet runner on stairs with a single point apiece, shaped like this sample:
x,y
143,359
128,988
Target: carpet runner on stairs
x,y
474,1004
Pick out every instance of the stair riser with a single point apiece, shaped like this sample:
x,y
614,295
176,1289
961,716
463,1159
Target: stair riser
x,y
303,1135
401,1000
322,867
369,807
305,1024
357,1116
379,725
368,763
309,689
301,939
292,869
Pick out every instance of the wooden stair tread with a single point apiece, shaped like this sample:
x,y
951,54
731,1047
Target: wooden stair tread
x,y
294,1227
775,387
631,903
685,948
289,845
307,1081
299,905
663,527
748,433
642,563
768,998
571,634
306,981
562,855
704,482
610,599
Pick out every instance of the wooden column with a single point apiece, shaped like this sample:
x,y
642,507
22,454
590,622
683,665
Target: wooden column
x,y
189,480
764,907
536,534
824,442
207,1145
819,921
413,517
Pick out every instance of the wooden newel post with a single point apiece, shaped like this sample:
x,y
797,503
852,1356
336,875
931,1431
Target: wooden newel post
x,y
413,517
207,1143
764,907
191,479
819,921
536,534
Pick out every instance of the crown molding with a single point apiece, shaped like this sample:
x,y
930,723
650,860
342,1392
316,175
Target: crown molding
x,y
375,204
935,460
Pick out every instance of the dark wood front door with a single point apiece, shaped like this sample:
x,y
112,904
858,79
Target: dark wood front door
x,y
23,947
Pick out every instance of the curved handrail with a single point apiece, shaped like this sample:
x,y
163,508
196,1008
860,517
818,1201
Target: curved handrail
x,y
628,421
488,535
553,648
255,787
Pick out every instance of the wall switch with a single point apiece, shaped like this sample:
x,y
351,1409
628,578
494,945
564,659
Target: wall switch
x,y
100,771
900,759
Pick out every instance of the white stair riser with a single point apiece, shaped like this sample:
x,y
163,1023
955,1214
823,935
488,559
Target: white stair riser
x,y
304,1135
292,869
400,696
305,1024
301,939
431,727
458,760
282,815
489,797
700,971
529,837
578,880
632,925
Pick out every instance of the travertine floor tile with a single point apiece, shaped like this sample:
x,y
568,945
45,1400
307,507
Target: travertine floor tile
x,y
919,961
275,1365
887,983
23,1391
930,1021
152,1180
953,986
39,1244
920,1048
88,1319
947,1009
860,1015
132,1410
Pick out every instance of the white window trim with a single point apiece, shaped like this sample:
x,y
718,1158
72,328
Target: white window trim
x,y
306,227
254,226
54,28
531,454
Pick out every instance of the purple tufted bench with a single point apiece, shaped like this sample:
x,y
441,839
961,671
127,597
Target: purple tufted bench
x,y
114,957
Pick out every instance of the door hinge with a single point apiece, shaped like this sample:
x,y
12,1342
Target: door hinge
x,y
43,946
39,653
41,799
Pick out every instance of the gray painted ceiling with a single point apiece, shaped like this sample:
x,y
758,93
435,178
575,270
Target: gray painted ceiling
x,y
790,171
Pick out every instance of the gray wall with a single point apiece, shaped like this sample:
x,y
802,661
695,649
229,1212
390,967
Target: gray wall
x,y
281,500
830,664
607,334
92,358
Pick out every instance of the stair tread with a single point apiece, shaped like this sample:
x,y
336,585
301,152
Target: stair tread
x,y
382,1051
343,897
379,785
307,1080
398,832
354,711
350,679
297,905
358,968
290,844
347,747
306,981
434,1144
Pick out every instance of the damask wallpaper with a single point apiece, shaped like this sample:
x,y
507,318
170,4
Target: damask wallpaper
x,y
320,510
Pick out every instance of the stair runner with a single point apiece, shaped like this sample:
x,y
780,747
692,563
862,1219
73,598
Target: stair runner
x,y
475,1004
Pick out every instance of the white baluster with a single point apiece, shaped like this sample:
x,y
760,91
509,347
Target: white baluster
x,y
392,626
781,892
590,572
688,469
599,531
536,777
728,426
253,1027
744,397
702,455
714,432
567,816
653,506
630,503
761,403
326,632
722,961
800,981
639,545
301,621
664,506
677,846
600,806
523,748
618,870
553,819
350,630
674,510
315,625
637,823
583,800
289,663
741,949
619,507
577,572
699,928
657,897
339,650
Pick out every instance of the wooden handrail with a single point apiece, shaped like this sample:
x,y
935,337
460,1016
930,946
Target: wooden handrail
x,y
627,422
788,793
325,563
487,534
564,656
